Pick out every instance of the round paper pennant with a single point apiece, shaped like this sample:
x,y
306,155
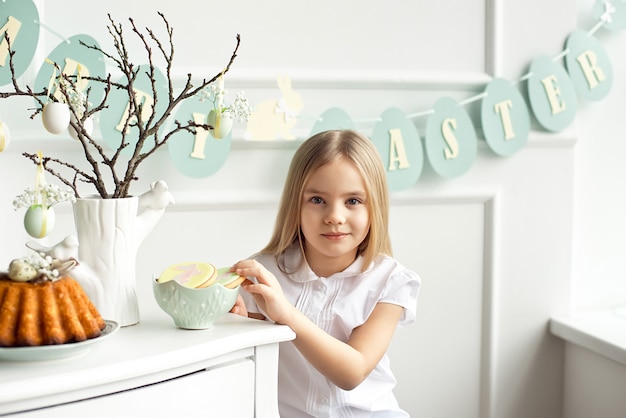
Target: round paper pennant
x,y
332,119
505,118
19,19
612,12
198,155
400,148
589,66
451,144
77,60
552,95
113,118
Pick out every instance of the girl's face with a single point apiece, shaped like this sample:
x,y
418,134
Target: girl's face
x,y
334,217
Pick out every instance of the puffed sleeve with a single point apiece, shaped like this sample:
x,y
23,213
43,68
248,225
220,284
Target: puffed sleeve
x,y
402,289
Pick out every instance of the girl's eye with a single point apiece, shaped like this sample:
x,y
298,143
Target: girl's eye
x,y
317,200
353,201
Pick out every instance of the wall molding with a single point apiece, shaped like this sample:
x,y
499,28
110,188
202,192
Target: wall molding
x,y
493,42
490,293
331,79
31,140
490,199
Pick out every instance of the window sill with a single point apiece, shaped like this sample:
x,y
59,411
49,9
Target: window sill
x,y
603,332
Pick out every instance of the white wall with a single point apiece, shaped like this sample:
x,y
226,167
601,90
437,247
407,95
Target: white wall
x,y
494,246
599,272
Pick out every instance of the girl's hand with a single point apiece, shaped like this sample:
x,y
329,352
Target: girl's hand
x,y
345,364
239,307
266,292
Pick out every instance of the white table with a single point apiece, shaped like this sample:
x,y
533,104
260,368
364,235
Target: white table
x,y
155,369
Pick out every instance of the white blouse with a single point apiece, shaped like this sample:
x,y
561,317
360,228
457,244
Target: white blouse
x,y
338,304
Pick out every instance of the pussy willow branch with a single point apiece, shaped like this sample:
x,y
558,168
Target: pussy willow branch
x,y
77,172
17,91
146,130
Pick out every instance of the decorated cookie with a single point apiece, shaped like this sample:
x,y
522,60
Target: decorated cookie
x,y
228,279
199,275
190,274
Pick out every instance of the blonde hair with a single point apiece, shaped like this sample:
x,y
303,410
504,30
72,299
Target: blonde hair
x,y
319,150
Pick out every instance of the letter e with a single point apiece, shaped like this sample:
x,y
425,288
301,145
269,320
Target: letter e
x,y
553,92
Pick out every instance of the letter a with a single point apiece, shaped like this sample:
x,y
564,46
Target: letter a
x,y
397,152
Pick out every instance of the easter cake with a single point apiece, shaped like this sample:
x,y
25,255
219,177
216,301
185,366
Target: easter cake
x,y
40,304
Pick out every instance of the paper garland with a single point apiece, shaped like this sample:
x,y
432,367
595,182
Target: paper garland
x,y
19,19
74,59
450,142
198,155
504,117
612,14
588,66
114,120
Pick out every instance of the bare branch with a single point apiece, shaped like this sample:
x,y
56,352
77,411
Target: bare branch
x,y
147,130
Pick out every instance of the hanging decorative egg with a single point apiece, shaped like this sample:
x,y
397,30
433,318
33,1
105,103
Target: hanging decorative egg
x,y
38,221
222,124
88,125
5,136
55,117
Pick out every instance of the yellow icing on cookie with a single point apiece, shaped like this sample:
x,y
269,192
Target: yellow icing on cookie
x,y
190,274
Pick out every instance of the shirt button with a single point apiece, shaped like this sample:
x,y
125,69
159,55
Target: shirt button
x,y
325,401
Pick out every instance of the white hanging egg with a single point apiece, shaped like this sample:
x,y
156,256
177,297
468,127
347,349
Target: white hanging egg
x,y
222,123
55,117
5,136
39,222
88,125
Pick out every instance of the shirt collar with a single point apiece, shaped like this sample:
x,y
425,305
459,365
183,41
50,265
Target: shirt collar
x,y
293,257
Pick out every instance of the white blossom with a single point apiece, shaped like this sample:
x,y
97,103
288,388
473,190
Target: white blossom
x,y
42,264
49,193
239,109
77,98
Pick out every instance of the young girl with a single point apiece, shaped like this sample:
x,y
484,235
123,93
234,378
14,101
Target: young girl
x,y
327,273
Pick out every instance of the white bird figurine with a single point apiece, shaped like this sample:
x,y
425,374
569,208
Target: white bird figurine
x,y
63,250
157,198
